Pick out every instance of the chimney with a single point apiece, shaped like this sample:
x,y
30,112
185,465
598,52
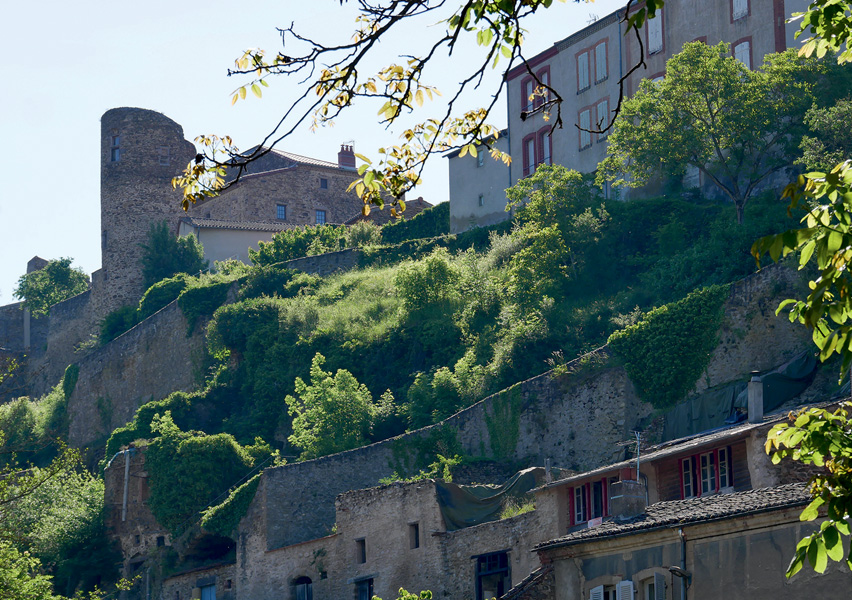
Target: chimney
x,y
755,398
627,499
346,157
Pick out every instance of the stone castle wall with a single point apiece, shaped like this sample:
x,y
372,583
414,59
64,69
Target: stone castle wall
x,y
146,363
12,327
141,151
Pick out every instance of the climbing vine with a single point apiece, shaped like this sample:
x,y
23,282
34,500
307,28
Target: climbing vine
x,y
69,382
665,353
223,518
414,453
504,422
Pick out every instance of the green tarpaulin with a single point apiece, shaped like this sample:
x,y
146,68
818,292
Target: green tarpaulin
x,y
709,409
467,505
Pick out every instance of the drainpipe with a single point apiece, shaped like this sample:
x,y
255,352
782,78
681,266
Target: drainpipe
x,y
682,563
126,480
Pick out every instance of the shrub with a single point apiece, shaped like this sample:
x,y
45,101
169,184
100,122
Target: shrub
x,y
165,254
161,294
202,299
298,242
117,322
53,283
363,233
429,223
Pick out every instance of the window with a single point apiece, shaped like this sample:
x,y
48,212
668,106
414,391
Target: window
x,y
163,156
654,588
590,501
706,473
208,592
323,183
739,9
529,155
481,199
414,528
603,117
281,212
320,217
623,590
303,588
585,125
365,589
115,148
742,52
480,157
544,77
527,99
544,148
492,575
582,71
600,62
655,33
161,541
361,551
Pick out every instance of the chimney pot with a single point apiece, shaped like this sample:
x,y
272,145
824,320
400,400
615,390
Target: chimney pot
x,y
346,157
755,398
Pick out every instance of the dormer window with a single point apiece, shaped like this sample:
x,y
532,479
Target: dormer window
x,y
706,473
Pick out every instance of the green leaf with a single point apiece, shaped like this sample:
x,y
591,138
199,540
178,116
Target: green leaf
x,y
256,90
833,543
811,512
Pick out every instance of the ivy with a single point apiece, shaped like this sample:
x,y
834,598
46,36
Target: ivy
x,y
69,381
415,453
202,300
504,422
429,223
666,352
161,294
223,518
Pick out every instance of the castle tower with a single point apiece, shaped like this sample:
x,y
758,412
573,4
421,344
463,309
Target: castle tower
x,y
141,150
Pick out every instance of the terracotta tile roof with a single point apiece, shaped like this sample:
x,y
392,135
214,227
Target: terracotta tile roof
x,y
383,216
204,223
694,510
305,160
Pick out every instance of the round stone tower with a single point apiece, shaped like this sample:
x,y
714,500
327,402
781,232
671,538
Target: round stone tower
x,y
141,150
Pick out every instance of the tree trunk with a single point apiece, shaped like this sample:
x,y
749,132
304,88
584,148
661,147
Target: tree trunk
x,y
740,204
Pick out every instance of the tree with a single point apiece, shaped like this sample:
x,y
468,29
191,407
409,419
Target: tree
x,y
332,412
819,437
52,284
166,254
331,78
830,143
710,112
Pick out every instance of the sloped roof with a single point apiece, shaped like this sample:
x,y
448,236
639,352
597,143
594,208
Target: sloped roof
x,y
305,160
693,510
204,223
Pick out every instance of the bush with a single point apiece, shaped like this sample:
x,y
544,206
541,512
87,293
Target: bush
x,y
117,322
161,294
165,254
203,298
429,223
363,233
298,242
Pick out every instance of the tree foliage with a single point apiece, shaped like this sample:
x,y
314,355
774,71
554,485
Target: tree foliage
x,y
333,77
736,126
332,413
165,254
829,142
52,284
823,439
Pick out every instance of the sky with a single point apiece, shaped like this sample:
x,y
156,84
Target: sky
x,y
67,63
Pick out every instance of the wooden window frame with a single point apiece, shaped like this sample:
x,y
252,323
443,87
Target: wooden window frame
x,y
588,70
585,490
529,161
750,43
744,16
588,109
539,146
600,124
540,74
658,18
605,42
696,483
527,104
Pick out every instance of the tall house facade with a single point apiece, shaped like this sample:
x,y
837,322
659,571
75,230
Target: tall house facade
x,y
585,69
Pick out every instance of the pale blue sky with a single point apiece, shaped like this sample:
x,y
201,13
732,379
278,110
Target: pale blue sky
x,y
66,63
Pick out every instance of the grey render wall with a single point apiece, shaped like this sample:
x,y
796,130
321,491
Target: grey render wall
x,y
471,181
149,362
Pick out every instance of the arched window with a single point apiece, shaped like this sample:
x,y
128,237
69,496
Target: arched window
x,y
303,590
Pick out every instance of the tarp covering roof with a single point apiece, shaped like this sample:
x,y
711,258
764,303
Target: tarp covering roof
x,y
467,505
709,409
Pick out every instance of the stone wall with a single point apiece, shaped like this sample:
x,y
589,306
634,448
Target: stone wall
x,y
70,323
576,422
12,327
298,188
325,264
185,586
146,363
